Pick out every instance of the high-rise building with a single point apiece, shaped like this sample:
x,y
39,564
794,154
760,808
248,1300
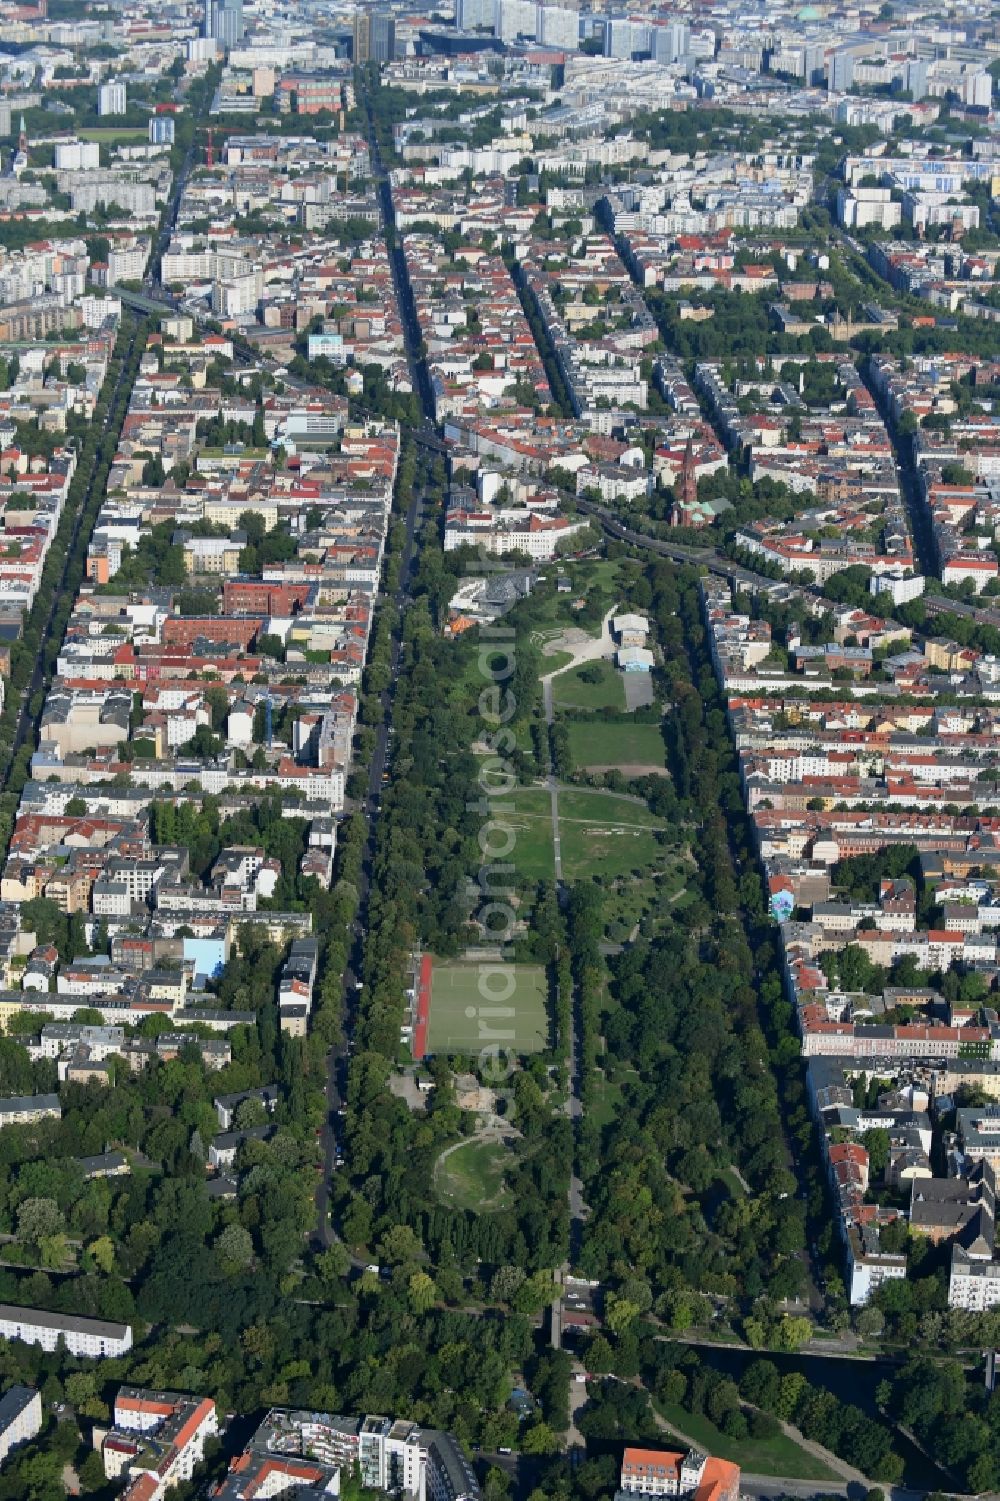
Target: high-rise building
x,y
383,37
813,59
161,130
977,89
374,36
362,36
670,42
841,72
515,18
475,15
622,38
112,99
557,26
224,22
915,77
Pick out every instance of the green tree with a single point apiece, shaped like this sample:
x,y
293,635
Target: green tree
x,y
37,1219
422,1292
234,1247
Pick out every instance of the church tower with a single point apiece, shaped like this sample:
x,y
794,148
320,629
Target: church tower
x,y
688,490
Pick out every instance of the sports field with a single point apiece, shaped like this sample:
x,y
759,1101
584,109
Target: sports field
x,y
108,135
470,1008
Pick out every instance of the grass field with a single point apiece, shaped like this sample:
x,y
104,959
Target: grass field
x,y
605,835
570,690
770,1456
465,1017
110,135
601,744
471,1176
531,822
601,834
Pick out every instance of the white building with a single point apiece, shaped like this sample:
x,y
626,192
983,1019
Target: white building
x,y
475,15
556,27
979,567
181,1424
515,18
901,588
237,295
859,208
94,1339
868,1266
974,1282
127,263
20,1418
112,98
75,156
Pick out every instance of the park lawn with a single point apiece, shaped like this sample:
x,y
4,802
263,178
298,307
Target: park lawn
x,y
465,695
531,823
732,1184
603,744
606,1095
605,834
604,1100
596,805
653,896
591,851
468,1013
555,661
601,834
770,1456
569,690
606,573
472,1176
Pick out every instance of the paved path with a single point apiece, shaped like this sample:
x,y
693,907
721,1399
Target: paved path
x,y
585,649
552,782
577,1399
776,1488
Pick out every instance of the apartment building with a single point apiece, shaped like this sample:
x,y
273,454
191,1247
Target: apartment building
x,y
157,1440
669,1472
91,1339
25,1110
20,1418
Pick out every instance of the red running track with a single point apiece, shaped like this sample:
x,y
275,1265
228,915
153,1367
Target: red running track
x,y
423,1011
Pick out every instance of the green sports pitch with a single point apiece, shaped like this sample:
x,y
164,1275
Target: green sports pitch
x,y
475,1006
